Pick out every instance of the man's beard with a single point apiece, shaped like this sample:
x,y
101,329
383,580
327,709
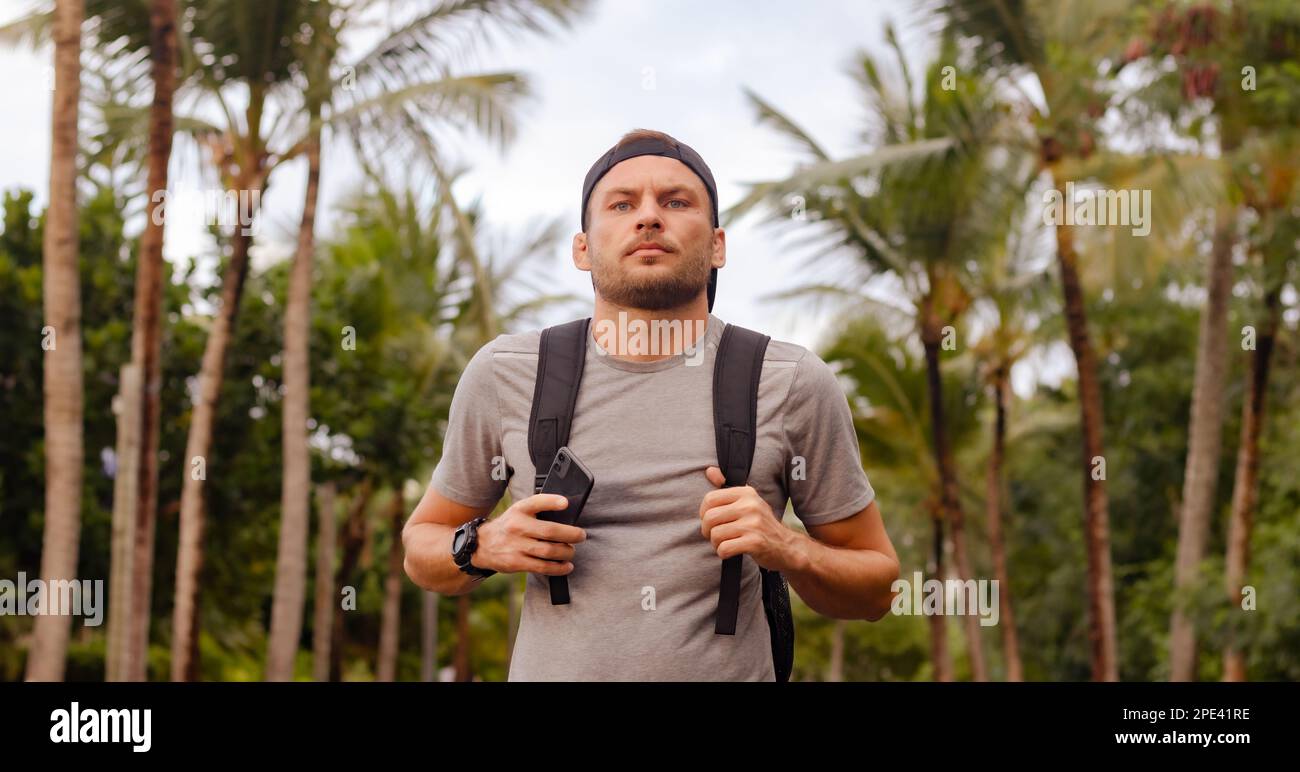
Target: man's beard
x,y
688,279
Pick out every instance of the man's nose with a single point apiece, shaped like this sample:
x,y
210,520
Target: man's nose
x,y
650,217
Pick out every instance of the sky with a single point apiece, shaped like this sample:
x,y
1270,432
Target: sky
x,y
672,65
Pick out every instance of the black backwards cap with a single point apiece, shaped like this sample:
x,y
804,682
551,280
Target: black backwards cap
x,y
655,146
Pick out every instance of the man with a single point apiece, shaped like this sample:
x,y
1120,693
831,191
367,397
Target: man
x,y
643,561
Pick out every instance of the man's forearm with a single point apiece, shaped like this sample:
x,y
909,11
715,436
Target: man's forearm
x,y
841,583
428,560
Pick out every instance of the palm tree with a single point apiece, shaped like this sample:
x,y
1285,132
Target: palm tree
x,y
124,136
252,45
1058,46
396,89
1273,197
929,199
291,561
1186,34
323,616
1204,39
1010,287
415,291
62,344
391,616
133,586
1245,491
877,352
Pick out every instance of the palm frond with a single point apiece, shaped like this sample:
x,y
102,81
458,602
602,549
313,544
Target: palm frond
x,y
436,40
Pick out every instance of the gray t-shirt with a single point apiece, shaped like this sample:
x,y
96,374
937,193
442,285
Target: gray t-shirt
x,y
644,589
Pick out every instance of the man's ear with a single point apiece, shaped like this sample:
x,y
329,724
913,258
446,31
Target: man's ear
x,y
581,258
719,258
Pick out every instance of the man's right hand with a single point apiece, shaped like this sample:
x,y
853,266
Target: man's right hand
x,y
517,541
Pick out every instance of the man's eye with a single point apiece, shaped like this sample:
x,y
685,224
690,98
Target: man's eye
x,y
621,203
680,201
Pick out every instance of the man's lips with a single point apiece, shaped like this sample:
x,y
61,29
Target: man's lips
x,y
651,249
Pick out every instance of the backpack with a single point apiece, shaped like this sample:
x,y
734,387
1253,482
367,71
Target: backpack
x,y
736,372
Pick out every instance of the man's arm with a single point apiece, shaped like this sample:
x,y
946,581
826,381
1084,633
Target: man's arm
x,y
845,569
841,569
426,539
514,541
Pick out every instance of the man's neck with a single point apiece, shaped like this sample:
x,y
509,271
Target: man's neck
x,y
640,335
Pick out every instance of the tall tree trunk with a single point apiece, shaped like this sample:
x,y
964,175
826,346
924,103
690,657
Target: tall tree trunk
x,y
146,339
835,672
429,638
61,292
291,560
189,550
1102,636
1246,485
122,547
949,496
128,646
1205,440
353,529
940,659
390,623
323,618
461,663
993,509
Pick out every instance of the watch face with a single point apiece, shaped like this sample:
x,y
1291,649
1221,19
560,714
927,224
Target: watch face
x,y
458,541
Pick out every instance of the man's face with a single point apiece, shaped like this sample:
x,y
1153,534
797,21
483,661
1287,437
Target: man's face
x,y
650,199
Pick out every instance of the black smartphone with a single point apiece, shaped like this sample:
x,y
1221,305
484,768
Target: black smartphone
x,y
570,478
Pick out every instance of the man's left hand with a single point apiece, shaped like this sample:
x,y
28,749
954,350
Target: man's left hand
x,y
739,522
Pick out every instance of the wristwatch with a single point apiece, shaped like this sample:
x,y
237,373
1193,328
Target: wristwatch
x,y
463,545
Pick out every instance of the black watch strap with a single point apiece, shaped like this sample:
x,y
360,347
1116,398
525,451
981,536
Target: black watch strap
x,y
464,557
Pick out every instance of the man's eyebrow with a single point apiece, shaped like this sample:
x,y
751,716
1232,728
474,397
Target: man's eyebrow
x,y
674,190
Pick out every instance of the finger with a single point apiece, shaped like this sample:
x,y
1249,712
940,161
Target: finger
x,y
740,545
720,497
715,476
549,550
716,516
541,502
546,567
545,530
725,532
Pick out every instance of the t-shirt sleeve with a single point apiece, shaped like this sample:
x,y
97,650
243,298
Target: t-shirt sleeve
x,y
471,449
823,472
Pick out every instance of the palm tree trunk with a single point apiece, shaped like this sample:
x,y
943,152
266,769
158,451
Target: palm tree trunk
x,y
1246,485
291,560
993,508
1102,636
1205,440
835,671
949,496
461,663
390,623
122,546
61,290
352,536
149,309
323,618
429,639
189,550
941,660
127,657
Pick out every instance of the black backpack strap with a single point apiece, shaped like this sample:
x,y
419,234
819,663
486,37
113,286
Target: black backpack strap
x,y
560,357
736,371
